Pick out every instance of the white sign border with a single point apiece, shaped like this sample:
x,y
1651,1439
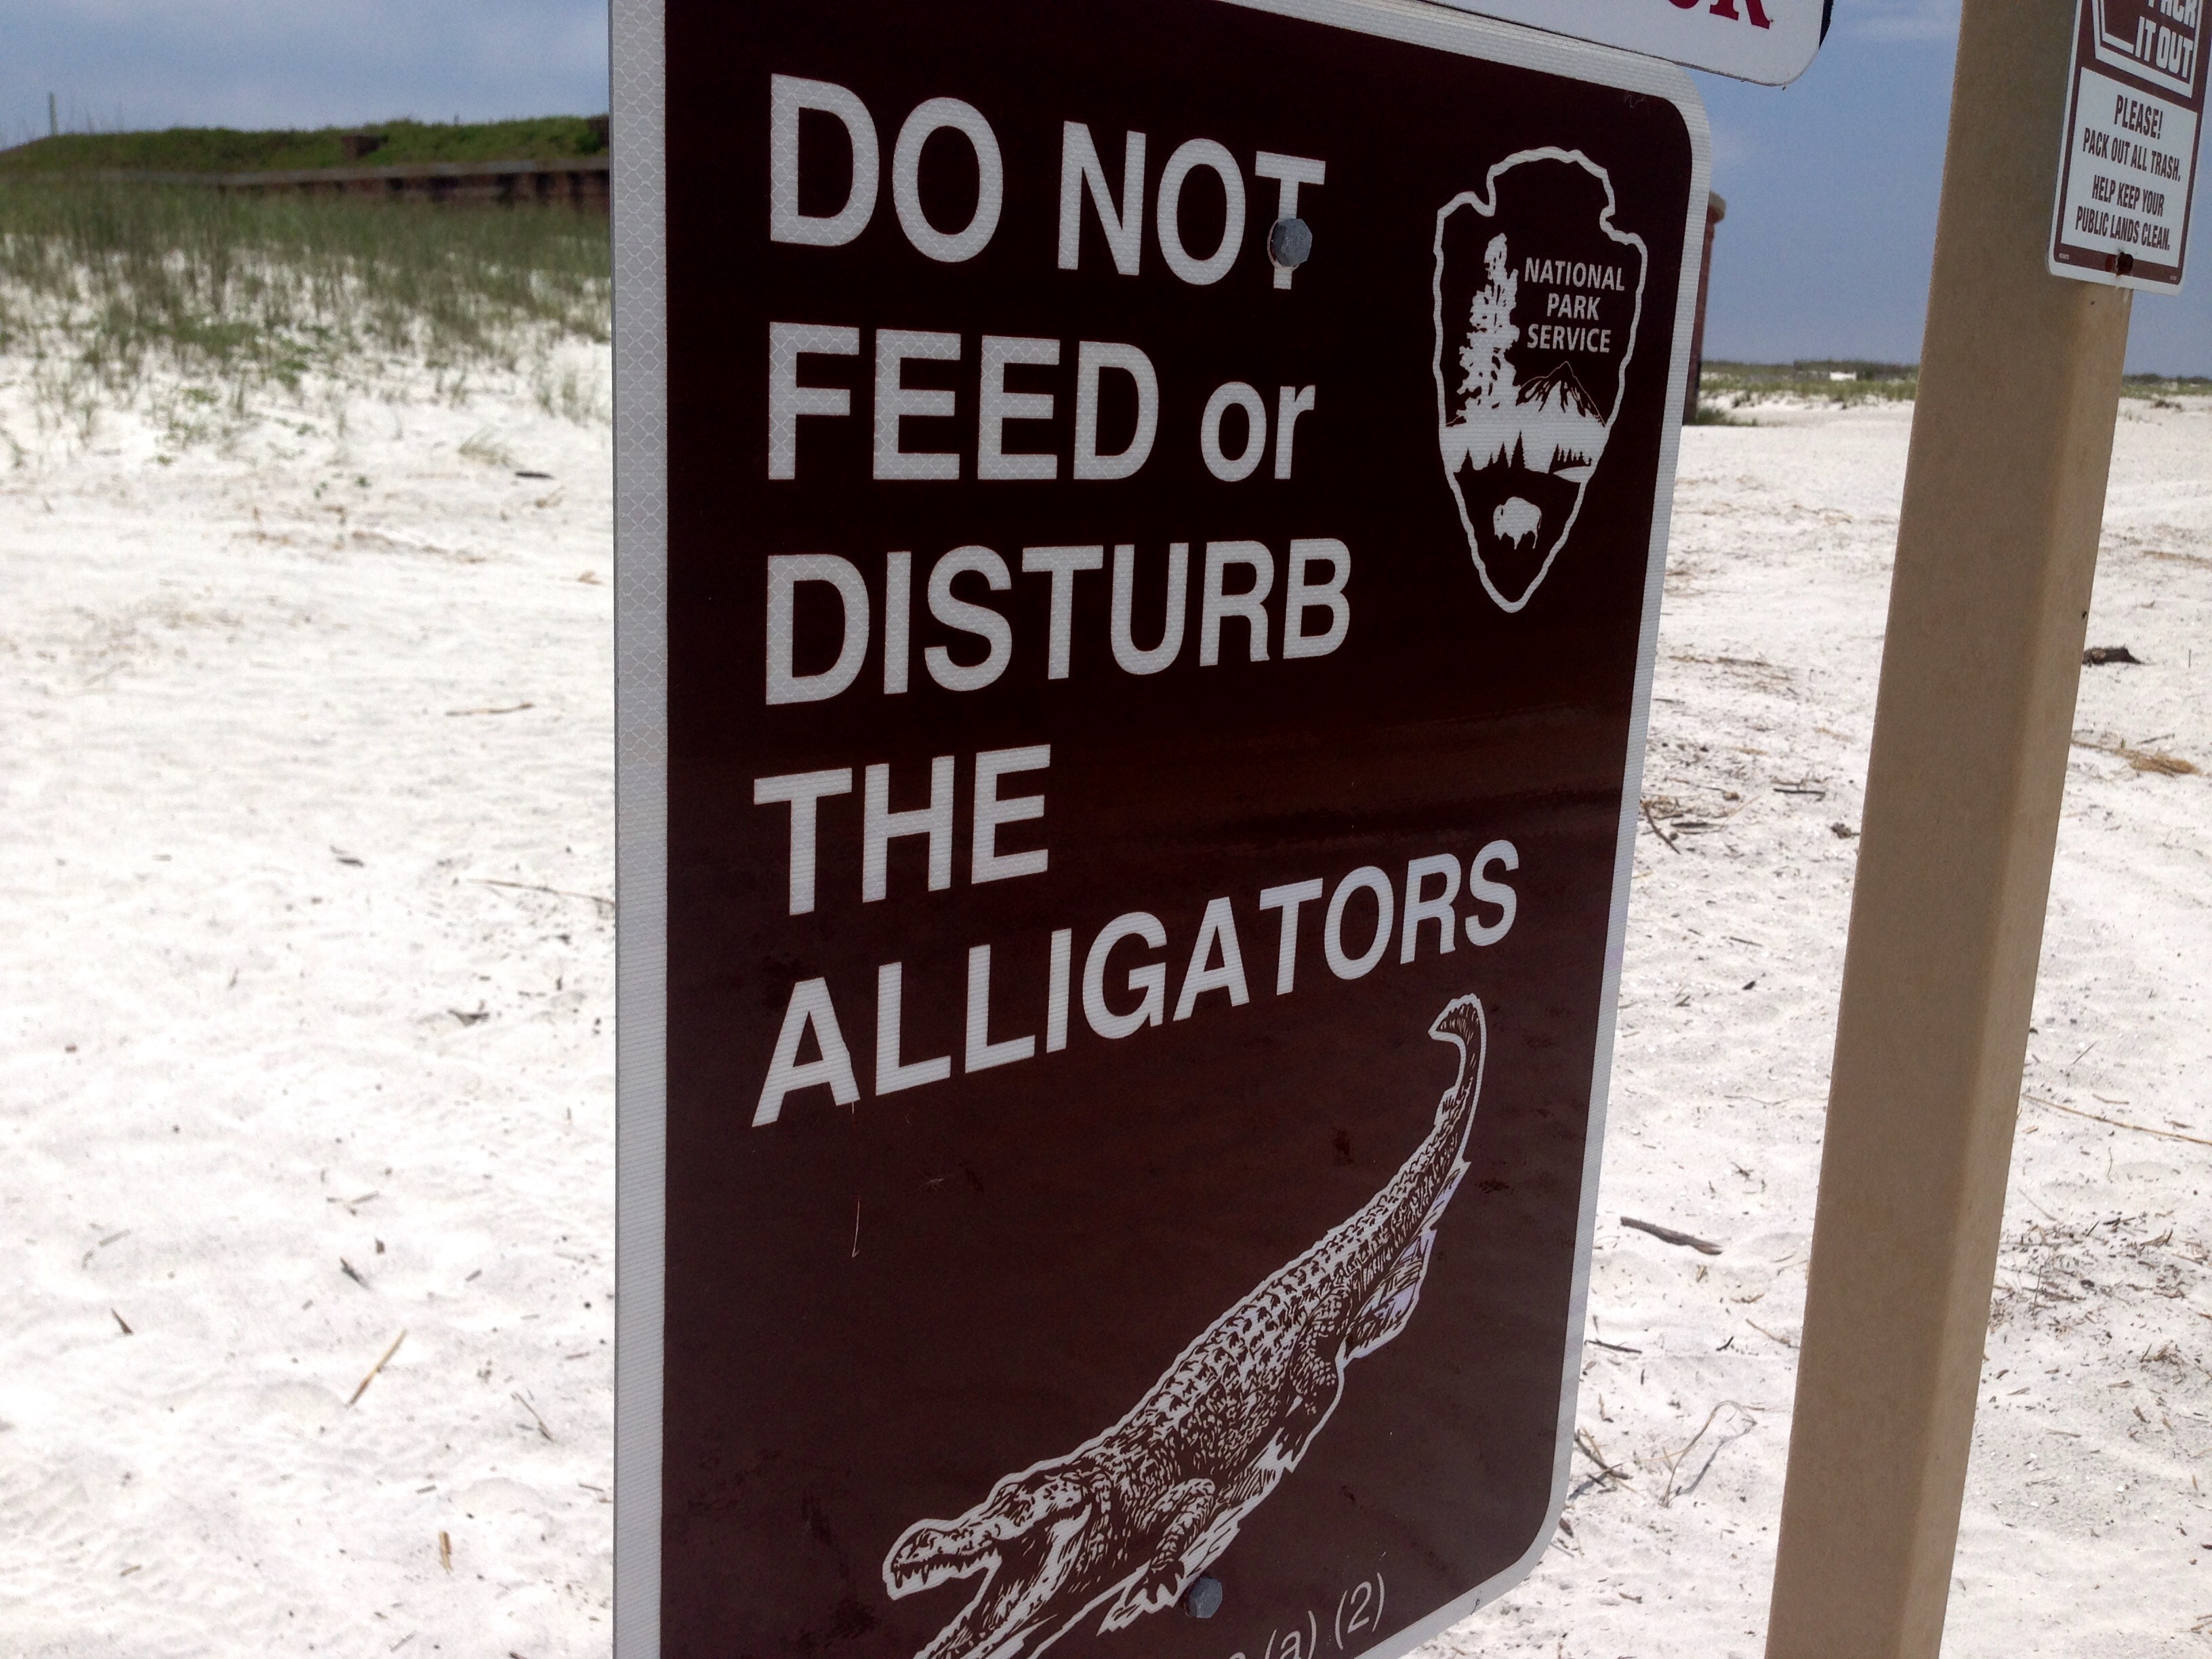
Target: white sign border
x,y
640,242
638,97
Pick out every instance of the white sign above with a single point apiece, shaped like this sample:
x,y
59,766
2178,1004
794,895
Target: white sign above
x,y
1770,41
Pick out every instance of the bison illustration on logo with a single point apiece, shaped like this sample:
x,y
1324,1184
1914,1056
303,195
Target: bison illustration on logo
x,y
1538,298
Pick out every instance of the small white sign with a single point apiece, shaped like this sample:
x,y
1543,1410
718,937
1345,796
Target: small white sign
x,y
1770,41
2128,170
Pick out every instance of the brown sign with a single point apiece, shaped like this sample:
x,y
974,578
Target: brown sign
x,y
2128,170
1162,511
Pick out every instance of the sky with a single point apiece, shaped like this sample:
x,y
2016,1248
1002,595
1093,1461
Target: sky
x,y
1832,184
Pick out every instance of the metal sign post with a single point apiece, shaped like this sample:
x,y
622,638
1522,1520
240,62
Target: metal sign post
x,y
2011,439
1141,529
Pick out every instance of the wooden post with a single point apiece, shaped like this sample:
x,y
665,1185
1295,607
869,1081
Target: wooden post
x,y
1716,210
2004,496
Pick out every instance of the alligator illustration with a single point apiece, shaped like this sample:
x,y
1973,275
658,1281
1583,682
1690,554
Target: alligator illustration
x,y
1138,1513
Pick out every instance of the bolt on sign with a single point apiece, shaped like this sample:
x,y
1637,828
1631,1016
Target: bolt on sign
x,y
1141,529
1771,41
2128,167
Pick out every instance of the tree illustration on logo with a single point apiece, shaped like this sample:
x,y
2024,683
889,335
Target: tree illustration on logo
x,y
1538,297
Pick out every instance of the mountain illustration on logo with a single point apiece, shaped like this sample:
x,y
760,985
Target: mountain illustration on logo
x,y
1538,298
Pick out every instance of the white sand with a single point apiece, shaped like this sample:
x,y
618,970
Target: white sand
x,y
223,679
247,877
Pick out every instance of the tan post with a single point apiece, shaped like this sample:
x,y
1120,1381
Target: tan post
x,y
2004,496
1716,210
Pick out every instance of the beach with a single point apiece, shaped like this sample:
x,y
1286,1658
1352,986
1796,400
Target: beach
x,y
307,1166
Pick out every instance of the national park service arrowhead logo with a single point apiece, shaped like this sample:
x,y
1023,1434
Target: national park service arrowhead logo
x,y
1537,301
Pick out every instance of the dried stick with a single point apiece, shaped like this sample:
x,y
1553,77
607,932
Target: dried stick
x,y
2140,1128
379,1366
540,887
1674,1463
1668,1236
534,1416
1587,1444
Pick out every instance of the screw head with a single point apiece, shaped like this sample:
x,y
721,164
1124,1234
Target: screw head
x,y
1203,1599
1290,243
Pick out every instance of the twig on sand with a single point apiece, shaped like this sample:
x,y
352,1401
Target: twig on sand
x,y
2142,757
445,1552
1668,1236
540,887
2098,1117
512,709
126,1323
1600,1342
1770,1335
1587,1444
352,1273
379,1366
1657,831
1674,1463
534,1416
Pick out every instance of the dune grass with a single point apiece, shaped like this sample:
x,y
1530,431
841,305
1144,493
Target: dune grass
x,y
2162,390
1727,387
226,150
112,292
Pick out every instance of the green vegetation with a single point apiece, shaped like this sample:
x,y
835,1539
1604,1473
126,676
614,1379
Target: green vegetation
x,y
1726,386
222,149
201,301
2163,389
1711,413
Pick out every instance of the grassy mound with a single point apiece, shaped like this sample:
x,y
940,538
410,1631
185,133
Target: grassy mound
x,y
1841,380
2163,389
1726,387
206,300
222,149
